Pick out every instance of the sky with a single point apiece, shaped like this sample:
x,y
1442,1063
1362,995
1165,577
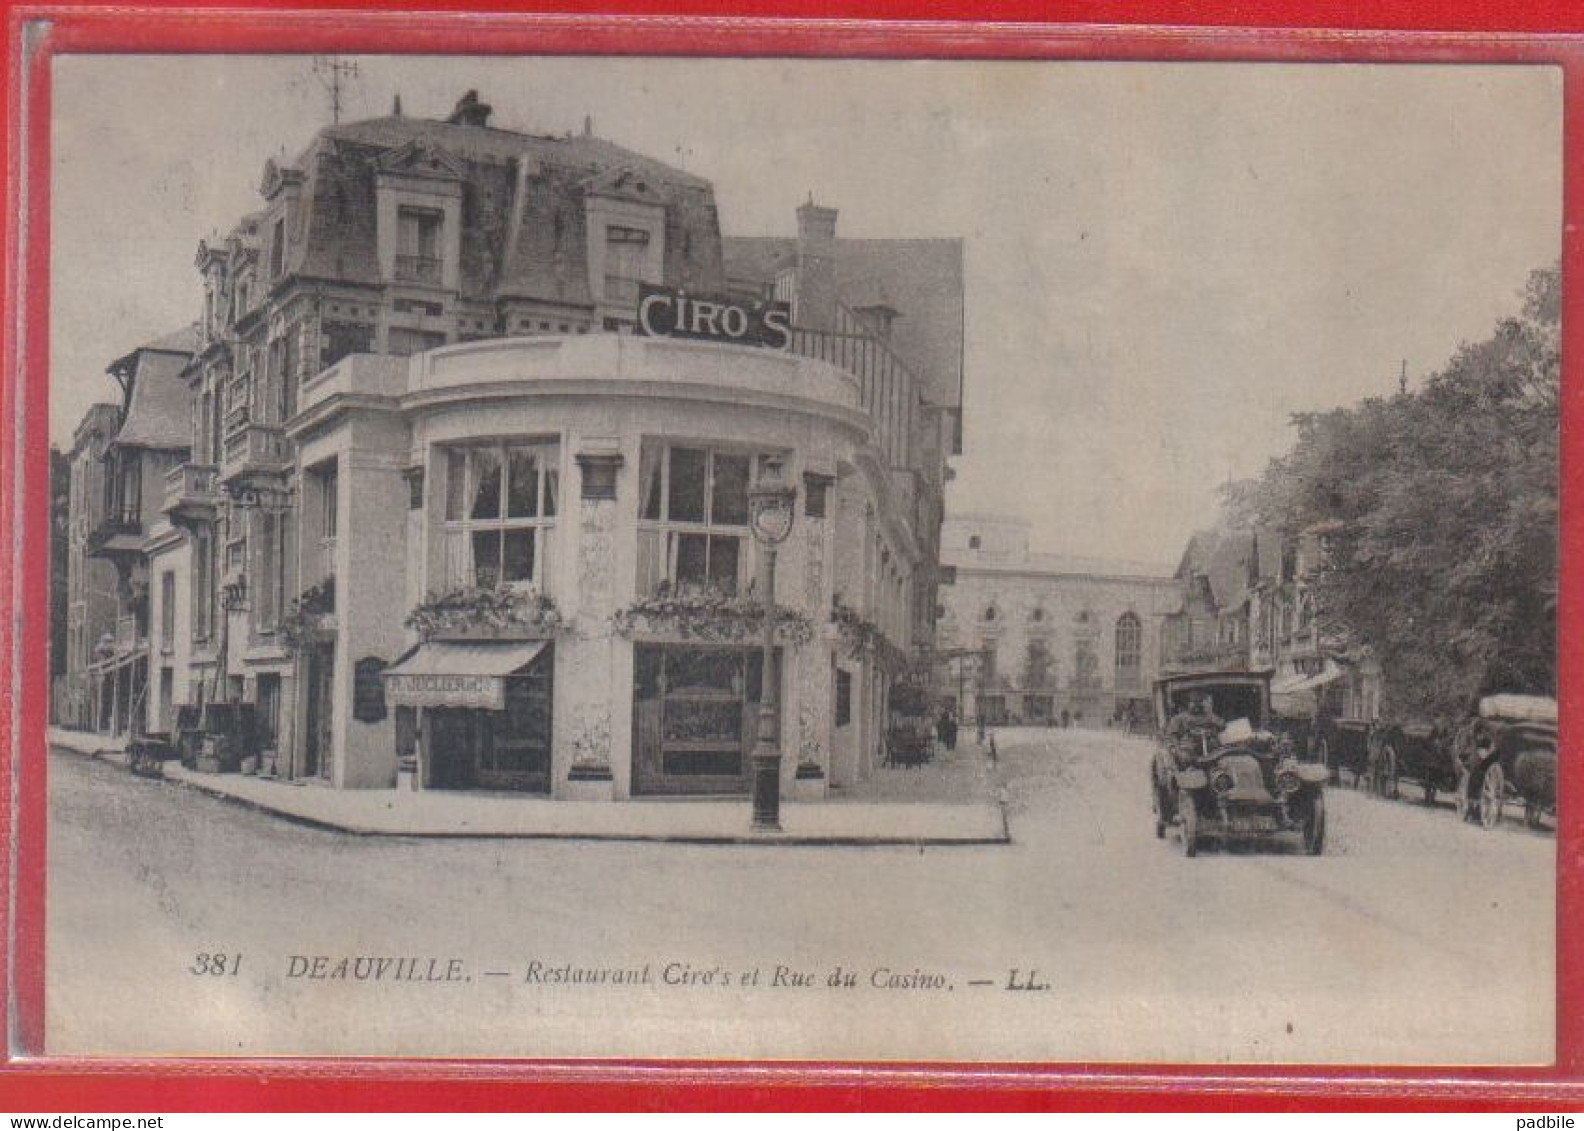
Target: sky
x,y
1164,262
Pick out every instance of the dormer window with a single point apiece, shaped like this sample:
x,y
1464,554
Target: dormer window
x,y
418,245
626,253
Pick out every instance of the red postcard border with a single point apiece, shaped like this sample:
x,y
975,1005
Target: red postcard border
x,y
1441,31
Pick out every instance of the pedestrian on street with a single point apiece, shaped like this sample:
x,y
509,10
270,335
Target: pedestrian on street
x,y
946,729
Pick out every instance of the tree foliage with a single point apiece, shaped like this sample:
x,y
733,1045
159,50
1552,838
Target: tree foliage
x,y
1441,507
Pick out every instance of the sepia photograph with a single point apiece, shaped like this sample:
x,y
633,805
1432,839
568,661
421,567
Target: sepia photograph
x,y
1045,562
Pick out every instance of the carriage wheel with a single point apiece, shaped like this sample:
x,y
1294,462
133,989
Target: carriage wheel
x,y
1464,806
1493,794
1157,806
1314,827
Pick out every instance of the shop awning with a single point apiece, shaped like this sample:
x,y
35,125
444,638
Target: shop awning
x,y
1325,675
459,673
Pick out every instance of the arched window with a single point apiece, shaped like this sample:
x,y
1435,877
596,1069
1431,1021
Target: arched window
x,y
990,612
1129,649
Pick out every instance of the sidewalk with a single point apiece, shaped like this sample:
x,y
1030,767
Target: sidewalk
x,y
439,813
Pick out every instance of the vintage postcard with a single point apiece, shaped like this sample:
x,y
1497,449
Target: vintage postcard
x,y
1015,561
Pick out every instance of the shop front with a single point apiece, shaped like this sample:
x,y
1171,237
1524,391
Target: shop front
x,y
483,712
695,718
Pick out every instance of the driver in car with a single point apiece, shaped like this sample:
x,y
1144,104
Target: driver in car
x,y
1191,728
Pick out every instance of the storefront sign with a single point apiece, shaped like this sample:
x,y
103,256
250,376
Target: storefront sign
x,y
667,313
487,692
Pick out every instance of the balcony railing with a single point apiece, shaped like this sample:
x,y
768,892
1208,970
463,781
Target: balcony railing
x,y
418,268
190,491
255,449
123,522
889,388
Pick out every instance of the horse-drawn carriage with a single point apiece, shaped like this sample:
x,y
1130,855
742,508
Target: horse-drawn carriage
x,y
1507,753
910,732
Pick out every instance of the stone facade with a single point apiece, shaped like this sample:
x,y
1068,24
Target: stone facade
x,y
92,603
1036,638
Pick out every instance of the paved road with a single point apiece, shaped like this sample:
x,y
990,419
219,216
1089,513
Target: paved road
x,y
1412,939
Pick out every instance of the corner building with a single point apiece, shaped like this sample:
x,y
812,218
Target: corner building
x,y
450,511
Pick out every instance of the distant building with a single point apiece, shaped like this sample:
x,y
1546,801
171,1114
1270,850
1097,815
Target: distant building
x,y
91,598
1248,603
150,439
1033,637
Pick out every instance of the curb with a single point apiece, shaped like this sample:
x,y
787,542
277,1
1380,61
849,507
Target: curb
x,y
795,840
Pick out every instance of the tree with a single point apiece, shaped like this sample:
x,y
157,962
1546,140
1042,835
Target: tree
x,y
1442,513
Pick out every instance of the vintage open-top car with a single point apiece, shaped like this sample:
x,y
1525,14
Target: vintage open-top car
x,y
1219,772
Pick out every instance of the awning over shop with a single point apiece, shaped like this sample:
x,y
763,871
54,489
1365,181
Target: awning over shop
x,y
1287,684
1327,674
1293,695
459,673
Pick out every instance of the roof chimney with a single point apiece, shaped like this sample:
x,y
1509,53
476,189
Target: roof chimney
x,y
470,111
815,223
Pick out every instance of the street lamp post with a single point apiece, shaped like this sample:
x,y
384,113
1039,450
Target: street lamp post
x,y
770,515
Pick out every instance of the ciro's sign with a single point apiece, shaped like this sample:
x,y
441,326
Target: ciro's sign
x,y
667,313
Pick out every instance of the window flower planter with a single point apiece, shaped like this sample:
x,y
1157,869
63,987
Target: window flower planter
x,y
474,613
709,615
311,617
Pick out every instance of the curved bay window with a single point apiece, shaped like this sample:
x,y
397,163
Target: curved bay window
x,y
1129,650
501,504
693,529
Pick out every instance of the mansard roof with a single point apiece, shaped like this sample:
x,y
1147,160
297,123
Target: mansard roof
x,y
524,232
159,408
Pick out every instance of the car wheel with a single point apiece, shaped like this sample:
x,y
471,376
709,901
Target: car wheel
x,y
1189,813
1531,815
1314,828
1493,794
1157,806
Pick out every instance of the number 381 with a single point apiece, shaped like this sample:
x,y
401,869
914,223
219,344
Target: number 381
x,y
216,965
